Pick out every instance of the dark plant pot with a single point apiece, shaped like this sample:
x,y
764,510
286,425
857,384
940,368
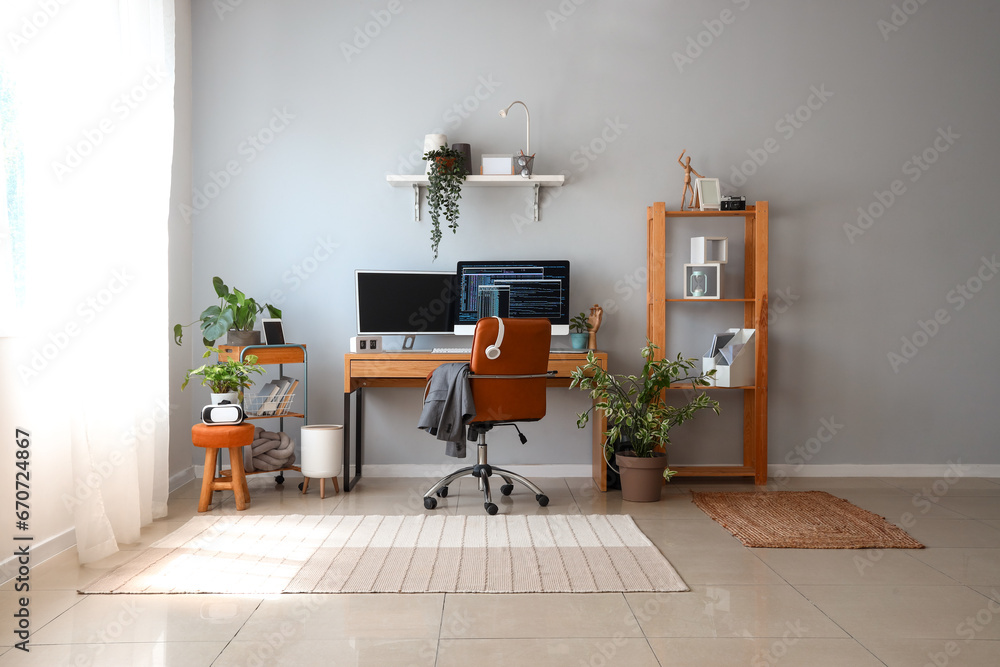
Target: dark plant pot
x,y
466,151
642,477
243,338
578,340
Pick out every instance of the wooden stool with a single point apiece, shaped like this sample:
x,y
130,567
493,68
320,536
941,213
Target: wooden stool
x,y
213,438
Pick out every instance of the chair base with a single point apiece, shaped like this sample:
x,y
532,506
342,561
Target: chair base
x,y
483,471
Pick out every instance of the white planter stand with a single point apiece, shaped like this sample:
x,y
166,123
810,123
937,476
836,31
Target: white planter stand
x,y
322,455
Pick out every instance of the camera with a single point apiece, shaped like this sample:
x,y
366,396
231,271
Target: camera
x,y
738,203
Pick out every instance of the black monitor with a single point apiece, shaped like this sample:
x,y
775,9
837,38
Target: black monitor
x,y
512,289
403,302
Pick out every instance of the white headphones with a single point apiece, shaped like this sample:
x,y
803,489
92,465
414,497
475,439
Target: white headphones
x,y
493,351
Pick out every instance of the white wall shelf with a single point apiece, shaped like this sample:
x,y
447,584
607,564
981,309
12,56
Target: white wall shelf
x,y
417,181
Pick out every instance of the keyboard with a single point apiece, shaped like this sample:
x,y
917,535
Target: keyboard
x,y
451,350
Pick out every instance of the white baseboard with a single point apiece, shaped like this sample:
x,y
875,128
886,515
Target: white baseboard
x,y
886,470
179,479
39,552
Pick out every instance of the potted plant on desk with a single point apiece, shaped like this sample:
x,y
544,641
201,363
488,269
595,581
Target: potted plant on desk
x,y
639,417
226,380
235,316
580,330
444,189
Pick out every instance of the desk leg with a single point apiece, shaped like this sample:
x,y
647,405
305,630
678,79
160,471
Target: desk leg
x,y
599,466
357,420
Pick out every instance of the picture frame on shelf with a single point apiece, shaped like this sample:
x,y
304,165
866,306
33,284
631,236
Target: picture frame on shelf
x,y
703,281
497,165
709,193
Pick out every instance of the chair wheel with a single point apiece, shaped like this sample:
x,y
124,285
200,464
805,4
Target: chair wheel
x,y
506,489
300,486
542,499
280,479
430,503
491,509
442,492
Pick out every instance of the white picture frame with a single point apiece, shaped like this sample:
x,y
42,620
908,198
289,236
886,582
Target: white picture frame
x,y
272,331
497,165
709,193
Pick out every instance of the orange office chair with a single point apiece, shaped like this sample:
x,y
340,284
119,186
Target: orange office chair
x,y
510,358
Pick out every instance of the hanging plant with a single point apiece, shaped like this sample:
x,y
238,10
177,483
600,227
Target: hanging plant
x,y
445,189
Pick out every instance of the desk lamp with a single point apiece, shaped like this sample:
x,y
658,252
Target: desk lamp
x,y
503,114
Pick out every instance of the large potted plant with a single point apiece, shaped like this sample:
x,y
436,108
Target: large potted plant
x,y
226,380
235,317
639,416
447,173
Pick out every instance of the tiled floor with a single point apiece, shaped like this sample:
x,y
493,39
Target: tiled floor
x,y
937,606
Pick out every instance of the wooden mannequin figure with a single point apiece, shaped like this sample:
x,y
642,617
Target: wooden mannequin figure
x,y
596,313
688,170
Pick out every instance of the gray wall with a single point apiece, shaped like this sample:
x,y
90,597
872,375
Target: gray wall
x,y
616,91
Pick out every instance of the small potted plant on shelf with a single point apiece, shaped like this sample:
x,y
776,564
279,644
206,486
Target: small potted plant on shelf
x,y
235,316
447,173
226,380
580,331
639,418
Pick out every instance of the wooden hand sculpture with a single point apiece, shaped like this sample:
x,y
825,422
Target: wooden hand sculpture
x,y
594,322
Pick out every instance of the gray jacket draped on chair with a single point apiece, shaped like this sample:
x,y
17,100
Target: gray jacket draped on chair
x,y
448,406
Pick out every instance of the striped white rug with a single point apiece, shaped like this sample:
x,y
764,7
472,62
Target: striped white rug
x,y
397,554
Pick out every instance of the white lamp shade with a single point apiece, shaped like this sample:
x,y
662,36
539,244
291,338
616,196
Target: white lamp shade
x,y
322,450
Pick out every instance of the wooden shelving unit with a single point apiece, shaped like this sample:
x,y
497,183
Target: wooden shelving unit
x,y
754,317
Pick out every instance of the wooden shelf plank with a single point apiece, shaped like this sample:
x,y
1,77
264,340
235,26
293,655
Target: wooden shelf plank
x,y
714,471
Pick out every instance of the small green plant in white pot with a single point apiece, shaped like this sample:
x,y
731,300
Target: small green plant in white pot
x,y
227,379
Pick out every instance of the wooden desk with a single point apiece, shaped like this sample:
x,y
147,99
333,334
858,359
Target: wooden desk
x,y
410,369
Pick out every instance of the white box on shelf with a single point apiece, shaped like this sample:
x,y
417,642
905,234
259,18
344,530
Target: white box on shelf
x,y
707,285
709,249
497,165
733,356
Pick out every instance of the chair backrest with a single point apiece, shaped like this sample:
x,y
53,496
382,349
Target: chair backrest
x,y
524,351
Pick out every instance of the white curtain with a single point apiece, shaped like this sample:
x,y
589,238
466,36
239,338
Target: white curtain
x,y
94,90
